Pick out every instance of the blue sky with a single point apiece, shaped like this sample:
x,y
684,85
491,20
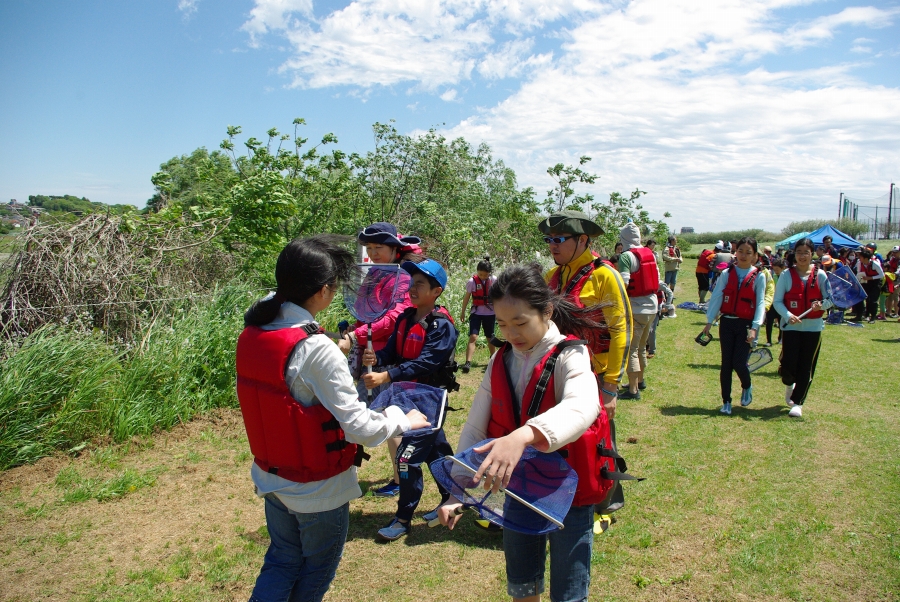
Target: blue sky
x,y
729,113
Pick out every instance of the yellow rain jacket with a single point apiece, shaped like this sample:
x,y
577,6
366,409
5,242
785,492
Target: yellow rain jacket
x,y
605,286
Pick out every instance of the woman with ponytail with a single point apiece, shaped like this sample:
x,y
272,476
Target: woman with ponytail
x,y
482,314
535,321
304,421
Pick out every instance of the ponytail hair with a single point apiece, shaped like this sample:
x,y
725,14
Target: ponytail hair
x,y
525,282
485,265
304,266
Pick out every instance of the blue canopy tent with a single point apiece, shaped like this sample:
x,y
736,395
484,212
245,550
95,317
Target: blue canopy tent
x,y
838,238
788,242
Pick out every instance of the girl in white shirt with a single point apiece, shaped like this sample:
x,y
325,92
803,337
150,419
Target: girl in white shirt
x,y
531,319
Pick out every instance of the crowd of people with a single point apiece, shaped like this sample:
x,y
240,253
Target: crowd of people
x,y
575,340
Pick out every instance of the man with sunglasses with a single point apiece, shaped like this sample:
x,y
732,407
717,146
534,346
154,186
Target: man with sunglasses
x,y
589,281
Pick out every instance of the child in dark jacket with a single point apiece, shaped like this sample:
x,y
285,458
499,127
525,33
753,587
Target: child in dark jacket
x,y
421,349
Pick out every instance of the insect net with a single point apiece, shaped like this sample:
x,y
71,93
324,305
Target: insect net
x,y
846,291
536,500
409,396
375,289
759,357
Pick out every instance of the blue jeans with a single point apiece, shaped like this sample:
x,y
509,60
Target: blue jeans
x,y
303,554
570,559
670,278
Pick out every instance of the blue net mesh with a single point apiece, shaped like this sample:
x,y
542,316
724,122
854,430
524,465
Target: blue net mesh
x,y
759,357
409,396
845,288
544,483
375,290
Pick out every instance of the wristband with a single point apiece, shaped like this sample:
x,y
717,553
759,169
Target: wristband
x,y
610,393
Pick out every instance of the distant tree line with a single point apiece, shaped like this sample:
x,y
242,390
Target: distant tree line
x,y
69,204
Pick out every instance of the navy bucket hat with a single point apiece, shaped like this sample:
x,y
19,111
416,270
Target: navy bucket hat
x,y
384,233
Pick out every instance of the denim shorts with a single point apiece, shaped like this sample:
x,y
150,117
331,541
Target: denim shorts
x,y
478,322
570,559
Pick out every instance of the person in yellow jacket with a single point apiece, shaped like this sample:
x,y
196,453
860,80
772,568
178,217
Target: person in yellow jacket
x,y
588,281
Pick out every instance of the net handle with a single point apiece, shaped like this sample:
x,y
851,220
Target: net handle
x,y
369,347
528,505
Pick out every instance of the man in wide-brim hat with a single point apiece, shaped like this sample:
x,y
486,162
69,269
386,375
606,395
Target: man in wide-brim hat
x,y
588,281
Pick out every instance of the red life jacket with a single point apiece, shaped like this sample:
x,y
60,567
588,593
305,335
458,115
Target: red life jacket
x,y
645,280
870,271
599,338
410,340
299,443
801,296
740,299
481,297
591,456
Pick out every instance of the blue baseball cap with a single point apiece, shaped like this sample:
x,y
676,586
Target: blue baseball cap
x,y
428,267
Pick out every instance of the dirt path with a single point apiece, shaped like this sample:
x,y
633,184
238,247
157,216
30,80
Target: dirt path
x,y
202,495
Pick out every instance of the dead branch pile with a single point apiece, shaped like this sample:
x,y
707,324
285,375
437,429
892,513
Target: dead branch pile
x,y
110,276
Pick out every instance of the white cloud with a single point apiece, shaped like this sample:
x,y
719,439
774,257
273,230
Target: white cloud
x,y
187,7
666,95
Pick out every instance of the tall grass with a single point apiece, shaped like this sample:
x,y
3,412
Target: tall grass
x,y
64,386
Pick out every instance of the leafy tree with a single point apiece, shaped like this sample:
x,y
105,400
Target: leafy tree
x,y
563,196
845,225
201,179
618,211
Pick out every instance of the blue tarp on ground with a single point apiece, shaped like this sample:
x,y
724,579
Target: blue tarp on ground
x,y
838,238
788,242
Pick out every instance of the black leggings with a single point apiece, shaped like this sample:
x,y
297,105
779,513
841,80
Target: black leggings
x,y
735,352
799,355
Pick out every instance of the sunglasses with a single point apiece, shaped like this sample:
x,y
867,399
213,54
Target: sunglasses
x,y
557,240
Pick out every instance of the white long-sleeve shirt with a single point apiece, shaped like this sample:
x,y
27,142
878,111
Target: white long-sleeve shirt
x,y
575,387
317,372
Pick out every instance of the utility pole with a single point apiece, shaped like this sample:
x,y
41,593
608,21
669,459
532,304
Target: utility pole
x,y
890,230
840,204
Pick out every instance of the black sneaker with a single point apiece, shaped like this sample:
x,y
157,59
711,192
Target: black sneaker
x,y
627,394
466,367
642,385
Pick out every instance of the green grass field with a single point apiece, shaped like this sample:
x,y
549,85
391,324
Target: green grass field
x,y
755,506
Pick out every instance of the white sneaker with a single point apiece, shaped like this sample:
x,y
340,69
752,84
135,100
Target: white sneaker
x,y
796,411
787,396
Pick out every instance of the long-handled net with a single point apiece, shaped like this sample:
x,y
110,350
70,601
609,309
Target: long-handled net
x,y
535,501
372,292
846,291
408,396
759,357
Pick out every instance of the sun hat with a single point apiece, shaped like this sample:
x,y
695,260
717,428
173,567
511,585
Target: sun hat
x,y
428,267
570,222
827,260
722,265
720,246
385,233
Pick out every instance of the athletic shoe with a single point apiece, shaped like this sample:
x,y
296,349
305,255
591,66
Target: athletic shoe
x,y
466,367
394,530
769,344
650,356
880,317
627,394
389,490
602,522
796,411
726,408
747,396
672,315
871,320
488,525
642,385
788,390
430,516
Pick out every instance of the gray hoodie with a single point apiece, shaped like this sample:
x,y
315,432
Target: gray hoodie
x,y
630,237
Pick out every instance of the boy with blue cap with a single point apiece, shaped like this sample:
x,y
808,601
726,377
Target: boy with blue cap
x,y
421,349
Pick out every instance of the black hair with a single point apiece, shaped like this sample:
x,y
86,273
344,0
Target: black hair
x,y
650,241
747,240
525,282
866,253
304,266
485,265
615,259
672,239
791,259
777,263
617,244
